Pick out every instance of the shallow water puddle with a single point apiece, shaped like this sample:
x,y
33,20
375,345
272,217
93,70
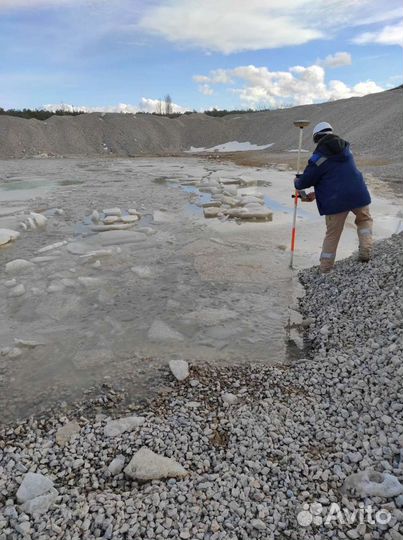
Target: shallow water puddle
x,y
24,190
192,207
195,207
202,198
392,224
276,206
198,197
25,184
70,182
83,228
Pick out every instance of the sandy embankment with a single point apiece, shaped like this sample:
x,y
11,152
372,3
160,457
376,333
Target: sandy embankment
x,y
373,124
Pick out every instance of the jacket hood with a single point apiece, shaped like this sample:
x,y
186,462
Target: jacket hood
x,y
333,146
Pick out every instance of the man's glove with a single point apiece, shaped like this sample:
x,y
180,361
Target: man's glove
x,y
304,196
309,197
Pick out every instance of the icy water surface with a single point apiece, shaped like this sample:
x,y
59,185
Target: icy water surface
x,y
118,305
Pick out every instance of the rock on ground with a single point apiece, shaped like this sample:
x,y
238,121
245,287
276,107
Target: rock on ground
x,y
116,465
113,428
146,465
67,432
33,485
179,369
370,483
8,235
19,266
229,398
40,504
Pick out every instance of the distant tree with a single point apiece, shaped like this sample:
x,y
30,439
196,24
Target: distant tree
x,y
224,112
159,108
261,108
168,105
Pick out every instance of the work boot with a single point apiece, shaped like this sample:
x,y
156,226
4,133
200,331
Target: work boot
x,y
364,254
326,266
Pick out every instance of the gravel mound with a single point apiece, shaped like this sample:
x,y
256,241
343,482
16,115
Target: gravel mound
x,y
267,464
373,123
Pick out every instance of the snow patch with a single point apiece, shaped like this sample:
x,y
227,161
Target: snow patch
x,y
231,146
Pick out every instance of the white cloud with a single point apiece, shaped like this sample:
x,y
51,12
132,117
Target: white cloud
x,y
216,76
120,108
206,90
201,78
336,60
382,15
388,35
152,105
145,105
230,26
364,88
32,4
298,86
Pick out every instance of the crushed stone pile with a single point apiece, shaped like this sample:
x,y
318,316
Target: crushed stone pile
x,y
372,123
247,452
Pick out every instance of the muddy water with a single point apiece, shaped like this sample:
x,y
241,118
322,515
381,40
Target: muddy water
x,y
173,286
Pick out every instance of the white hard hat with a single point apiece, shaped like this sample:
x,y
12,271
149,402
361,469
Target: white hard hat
x,y
322,126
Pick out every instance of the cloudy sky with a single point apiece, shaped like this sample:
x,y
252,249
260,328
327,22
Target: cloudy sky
x,y
126,54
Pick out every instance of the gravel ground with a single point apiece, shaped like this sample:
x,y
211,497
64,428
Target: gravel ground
x,y
261,444
364,121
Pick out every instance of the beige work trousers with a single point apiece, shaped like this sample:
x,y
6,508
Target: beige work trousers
x,y
334,228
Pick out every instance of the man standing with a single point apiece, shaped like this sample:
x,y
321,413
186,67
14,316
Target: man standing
x,y
339,189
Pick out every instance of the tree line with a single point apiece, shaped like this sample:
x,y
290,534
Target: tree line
x,y
164,108
38,114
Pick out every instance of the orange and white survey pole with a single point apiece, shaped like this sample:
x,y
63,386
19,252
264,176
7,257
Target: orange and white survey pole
x,y
299,124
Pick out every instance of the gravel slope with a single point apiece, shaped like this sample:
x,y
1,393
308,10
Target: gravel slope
x,y
373,123
290,436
